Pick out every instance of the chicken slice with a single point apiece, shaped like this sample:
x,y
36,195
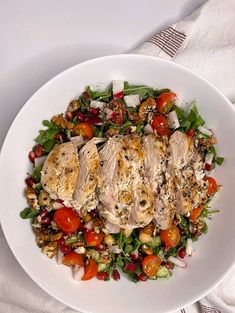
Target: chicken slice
x,y
186,163
125,198
155,148
60,171
85,195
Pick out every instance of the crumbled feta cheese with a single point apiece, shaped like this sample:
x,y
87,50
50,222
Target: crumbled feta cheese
x,y
132,100
173,121
97,104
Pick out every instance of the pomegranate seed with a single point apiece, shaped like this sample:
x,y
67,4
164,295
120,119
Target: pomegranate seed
x,y
131,267
86,95
118,95
116,275
38,151
207,167
168,265
29,181
102,275
166,248
32,156
46,221
94,111
81,116
94,213
142,277
43,213
63,247
59,137
94,120
119,120
190,132
182,253
69,115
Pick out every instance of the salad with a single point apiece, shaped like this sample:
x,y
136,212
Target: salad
x,y
122,182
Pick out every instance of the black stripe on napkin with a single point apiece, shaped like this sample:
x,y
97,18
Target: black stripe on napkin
x,y
169,40
207,309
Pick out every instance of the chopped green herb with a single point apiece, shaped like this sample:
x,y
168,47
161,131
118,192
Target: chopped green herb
x,y
28,213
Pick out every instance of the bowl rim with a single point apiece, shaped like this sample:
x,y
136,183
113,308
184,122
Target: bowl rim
x,y
51,81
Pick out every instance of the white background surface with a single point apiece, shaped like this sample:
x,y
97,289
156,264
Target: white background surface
x,y
39,39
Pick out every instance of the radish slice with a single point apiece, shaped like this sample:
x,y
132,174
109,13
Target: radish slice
x,y
189,247
173,120
97,104
118,88
205,131
177,262
40,160
59,257
132,100
78,141
148,129
78,272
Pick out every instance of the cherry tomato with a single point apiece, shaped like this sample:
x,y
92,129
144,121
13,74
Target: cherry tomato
x,y
171,236
67,220
91,269
195,213
165,101
83,129
161,125
213,187
92,238
150,265
73,258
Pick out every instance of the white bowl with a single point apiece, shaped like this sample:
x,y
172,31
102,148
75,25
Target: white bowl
x,y
214,255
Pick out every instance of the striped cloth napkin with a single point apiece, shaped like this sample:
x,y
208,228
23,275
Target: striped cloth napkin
x,y
204,39
205,43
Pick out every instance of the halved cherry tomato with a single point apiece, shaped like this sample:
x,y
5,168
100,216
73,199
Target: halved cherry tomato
x,y
73,258
195,213
92,238
67,220
91,269
150,265
83,129
165,101
213,187
171,236
161,125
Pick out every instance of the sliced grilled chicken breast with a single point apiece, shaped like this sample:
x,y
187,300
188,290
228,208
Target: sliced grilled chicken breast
x,y
155,148
186,164
125,198
60,171
85,196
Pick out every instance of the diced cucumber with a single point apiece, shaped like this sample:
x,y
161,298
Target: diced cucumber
x,y
102,267
95,255
163,272
155,241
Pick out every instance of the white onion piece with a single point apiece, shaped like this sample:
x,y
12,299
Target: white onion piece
x,y
177,262
109,113
148,129
205,131
189,247
59,257
173,120
132,100
111,228
40,160
78,272
115,249
78,141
